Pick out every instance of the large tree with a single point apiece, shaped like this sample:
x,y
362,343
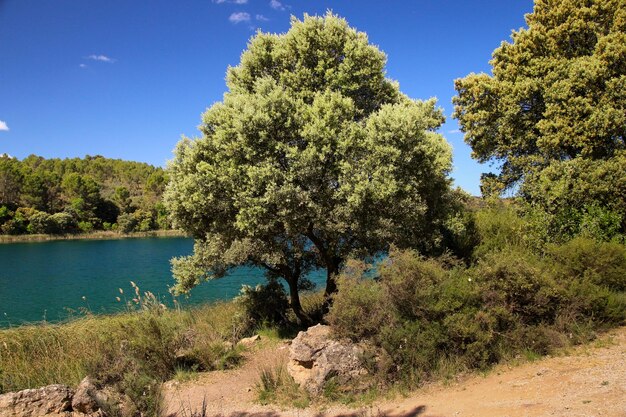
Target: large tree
x,y
557,92
312,156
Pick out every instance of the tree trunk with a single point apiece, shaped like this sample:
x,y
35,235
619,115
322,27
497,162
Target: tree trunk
x,y
332,271
294,300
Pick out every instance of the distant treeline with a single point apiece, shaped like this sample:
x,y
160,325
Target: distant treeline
x,y
59,196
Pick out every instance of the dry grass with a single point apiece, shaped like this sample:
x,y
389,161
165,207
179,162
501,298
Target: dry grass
x,y
133,352
99,235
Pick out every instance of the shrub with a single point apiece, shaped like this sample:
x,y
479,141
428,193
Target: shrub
x,y
5,214
521,284
126,223
413,284
427,316
500,225
85,226
144,221
62,223
602,263
15,226
39,222
264,304
413,348
360,307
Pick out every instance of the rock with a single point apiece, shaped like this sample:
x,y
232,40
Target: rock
x,y
87,398
49,400
314,358
249,341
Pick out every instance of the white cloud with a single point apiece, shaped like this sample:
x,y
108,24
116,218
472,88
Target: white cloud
x,y
101,58
276,5
83,65
3,126
239,17
261,18
452,132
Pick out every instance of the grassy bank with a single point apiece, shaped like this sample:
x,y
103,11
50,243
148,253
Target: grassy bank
x,y
133,352
100,235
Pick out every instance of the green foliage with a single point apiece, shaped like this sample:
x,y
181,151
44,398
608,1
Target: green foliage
x,y
552,114
501,226
312,156
519,283
61,223
264,304
15,226
601,263
425,317
580,197
10,181
92,190
39,222
358,310
556,93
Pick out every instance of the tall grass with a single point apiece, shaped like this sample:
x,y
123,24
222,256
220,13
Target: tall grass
x,y
132,352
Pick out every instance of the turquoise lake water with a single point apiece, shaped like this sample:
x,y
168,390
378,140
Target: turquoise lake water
x,y
48,280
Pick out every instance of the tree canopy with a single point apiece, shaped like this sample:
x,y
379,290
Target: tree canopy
x,y
557,92
312,156
40,195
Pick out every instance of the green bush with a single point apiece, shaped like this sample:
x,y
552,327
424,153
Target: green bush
x,y
413,348
520,283
602,263
85,226
425,317
501,225
126,223
413,284
61,223
360,307
139,221
39,222
5,214
264,304
15,226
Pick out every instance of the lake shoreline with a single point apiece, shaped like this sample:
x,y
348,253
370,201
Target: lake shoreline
x,y
99,235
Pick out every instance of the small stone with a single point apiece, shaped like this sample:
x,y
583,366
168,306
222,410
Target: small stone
x,y
249,341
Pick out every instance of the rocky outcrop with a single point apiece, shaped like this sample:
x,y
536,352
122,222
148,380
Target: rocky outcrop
x,y
314,358
54,401
87,398
49,400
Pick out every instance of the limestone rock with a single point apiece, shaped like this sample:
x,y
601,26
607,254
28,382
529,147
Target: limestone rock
x,y
314,358
87,398
49,400
249,341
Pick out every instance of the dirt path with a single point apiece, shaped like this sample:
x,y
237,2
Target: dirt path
x,y
590,381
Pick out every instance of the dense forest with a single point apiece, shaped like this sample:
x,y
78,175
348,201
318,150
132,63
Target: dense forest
x,y
59,196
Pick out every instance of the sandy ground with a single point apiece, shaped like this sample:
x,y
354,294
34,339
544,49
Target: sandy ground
x,y
589,381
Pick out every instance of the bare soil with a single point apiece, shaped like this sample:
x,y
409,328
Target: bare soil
x,y
586,381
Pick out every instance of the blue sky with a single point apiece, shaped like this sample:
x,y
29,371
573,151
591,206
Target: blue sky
x,y
125,79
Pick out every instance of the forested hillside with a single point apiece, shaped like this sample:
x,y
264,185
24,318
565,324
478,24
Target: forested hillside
x,y
59,196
